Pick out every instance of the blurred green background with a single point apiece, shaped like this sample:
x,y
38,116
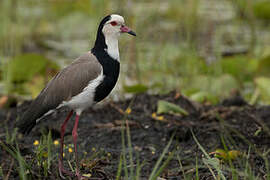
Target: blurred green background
x,y
206,49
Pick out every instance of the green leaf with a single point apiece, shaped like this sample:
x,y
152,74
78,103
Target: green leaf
x,y
27,73
231,66
138,88
213,86
202,96
35,85
263,67
25,67
262,10
167,107
263,84
223,85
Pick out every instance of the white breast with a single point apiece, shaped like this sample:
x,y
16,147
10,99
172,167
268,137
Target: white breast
x,y
112,44
86,98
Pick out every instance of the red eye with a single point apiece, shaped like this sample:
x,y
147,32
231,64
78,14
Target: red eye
x,y
113,23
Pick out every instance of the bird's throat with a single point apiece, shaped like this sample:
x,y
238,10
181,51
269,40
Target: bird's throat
x,y
112,47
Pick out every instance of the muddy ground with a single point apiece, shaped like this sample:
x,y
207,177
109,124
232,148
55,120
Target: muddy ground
x,y
242,127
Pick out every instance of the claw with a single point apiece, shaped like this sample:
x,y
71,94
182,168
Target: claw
x,y
62,170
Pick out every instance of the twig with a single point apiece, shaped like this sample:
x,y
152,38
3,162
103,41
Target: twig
x,y
117,108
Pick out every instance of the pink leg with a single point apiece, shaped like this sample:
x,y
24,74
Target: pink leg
x,y
60,165
75,135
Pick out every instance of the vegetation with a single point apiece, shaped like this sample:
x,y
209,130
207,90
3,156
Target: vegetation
x,y
178,44
205,50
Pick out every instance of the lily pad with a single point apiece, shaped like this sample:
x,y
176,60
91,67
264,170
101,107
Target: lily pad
x,y
263,67
170,108
263,84
23,70
262,10
24,67
203,96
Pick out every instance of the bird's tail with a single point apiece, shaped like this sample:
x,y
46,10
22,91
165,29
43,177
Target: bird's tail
x,y
28,121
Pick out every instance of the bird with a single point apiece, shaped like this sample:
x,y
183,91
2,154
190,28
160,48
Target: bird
x,y
86,81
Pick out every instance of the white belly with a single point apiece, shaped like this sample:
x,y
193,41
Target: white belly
x,y
86,98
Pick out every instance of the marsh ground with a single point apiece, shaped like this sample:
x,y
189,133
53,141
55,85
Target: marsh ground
x,y
232,124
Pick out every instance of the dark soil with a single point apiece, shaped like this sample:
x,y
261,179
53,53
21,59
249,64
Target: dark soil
x,y
232,124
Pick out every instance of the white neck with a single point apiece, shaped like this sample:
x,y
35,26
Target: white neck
x,y
112,44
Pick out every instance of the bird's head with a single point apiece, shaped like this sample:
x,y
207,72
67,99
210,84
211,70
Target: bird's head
x,y
109,30
114,25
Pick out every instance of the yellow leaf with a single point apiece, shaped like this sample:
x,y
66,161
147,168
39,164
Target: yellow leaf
x,y
221,154
87,175
234,154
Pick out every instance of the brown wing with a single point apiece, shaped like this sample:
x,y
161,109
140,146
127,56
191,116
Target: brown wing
x,y
71,80
66,84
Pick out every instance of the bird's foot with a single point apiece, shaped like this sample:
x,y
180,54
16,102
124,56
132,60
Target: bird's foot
x,y
79,176
63,170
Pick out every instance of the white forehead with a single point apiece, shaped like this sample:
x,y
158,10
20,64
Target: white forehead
x,y
118,18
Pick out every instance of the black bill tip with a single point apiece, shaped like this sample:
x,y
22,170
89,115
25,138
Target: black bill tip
x,y
132,33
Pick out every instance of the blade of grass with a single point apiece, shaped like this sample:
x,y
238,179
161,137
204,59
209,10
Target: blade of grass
x,y
129,143
248,142
119,169
250,173
200,146
160,159
49,145
266,165
22,167
124,149
210,169
233,170
70,166
164,165
13,152
130,151
197,169
181,167
138,169
209,159
247,164
228,131
10,138
1,172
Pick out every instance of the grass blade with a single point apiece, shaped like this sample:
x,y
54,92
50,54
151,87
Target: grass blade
x,y
160,159
209,161
197,169
119,169
164,165
138,169
22,168
130,151
49,145
181,167
124,149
